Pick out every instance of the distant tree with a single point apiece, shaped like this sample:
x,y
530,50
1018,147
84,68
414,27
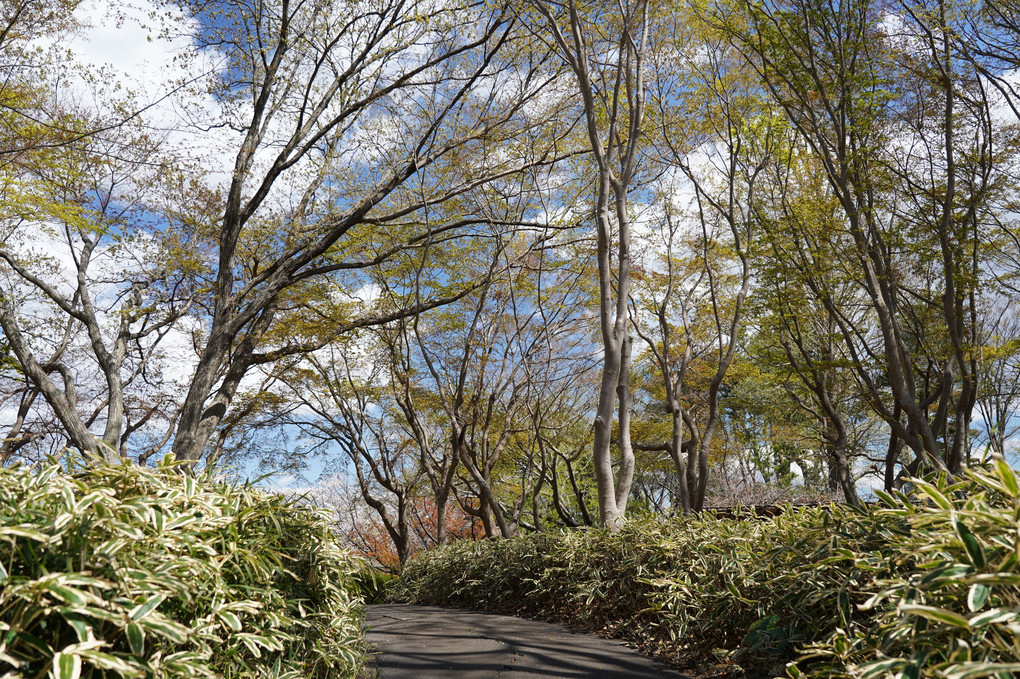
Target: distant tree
x,y
999,377
797,331
899,129
691,308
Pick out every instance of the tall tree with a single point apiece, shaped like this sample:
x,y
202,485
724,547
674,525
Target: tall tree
x,y
339,107
896,166
606,49
95,272
796,330
710,132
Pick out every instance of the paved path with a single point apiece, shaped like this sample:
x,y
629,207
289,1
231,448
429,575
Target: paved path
x,y
424,642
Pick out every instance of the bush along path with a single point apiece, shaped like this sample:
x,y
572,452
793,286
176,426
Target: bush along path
x,y
425,642
920,585
124,572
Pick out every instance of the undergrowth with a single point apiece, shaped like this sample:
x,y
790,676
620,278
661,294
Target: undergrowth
x,y
925,585
119,571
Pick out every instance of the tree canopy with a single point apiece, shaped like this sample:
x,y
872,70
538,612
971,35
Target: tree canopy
x,y
508,266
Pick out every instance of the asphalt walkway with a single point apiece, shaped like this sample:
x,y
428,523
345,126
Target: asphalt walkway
x,y
424,642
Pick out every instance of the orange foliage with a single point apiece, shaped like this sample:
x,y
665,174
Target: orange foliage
x,y
369,538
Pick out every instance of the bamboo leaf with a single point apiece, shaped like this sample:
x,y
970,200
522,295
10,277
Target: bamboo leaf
x,y
973,670
1007,476
994,579
140,611
136,638
992,616
977,595
975,552
176,633
936,614
66,666
231,619
68,594
933,494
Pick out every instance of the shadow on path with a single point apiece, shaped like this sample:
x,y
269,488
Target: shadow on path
x,y
425,642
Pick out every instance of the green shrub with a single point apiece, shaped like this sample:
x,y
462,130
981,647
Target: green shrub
x,y
926,585
371,583
955,612
119,571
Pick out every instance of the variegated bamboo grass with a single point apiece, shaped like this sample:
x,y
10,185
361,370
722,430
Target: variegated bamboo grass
x,y
119,571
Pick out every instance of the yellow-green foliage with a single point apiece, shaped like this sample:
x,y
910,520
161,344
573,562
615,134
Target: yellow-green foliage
x,y
921,586
119,571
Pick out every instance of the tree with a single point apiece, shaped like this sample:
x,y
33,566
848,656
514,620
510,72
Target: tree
x,y
96,243
32,121
606,51
999,376
698,305
338,108
489,364
896,168
797,330
342,393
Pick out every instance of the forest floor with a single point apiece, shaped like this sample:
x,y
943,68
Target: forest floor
x,y
426,642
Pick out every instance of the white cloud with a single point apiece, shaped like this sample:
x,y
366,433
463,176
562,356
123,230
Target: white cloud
x,y
125,37
150,53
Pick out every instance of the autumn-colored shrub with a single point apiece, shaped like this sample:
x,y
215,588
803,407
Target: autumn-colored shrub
x,y
368,538
119,571
926,585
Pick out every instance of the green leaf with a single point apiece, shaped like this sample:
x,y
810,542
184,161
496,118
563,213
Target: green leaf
x,y
974,550
972,670
66,666
252,646
180,521
933,494
844,606
948,573
80,628
23,531
992,616
936,614
136,638
886,498
46,475
994,579
68,594
977,596
1007,476
231,619
123,666
34,642
176,633
142,610
881,668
